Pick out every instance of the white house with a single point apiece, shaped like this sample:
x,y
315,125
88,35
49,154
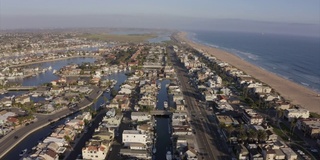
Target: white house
x,y
140,116
134,136
125,91
252,117
5,115
95,150
23,99
289,153
296,113
191,155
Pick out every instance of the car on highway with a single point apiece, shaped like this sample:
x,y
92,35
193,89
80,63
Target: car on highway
x,y
15,137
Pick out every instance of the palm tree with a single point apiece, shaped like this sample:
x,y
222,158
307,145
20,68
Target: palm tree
x,y
262,135
280,113
222,125
293,125
252,135
229,130
242,136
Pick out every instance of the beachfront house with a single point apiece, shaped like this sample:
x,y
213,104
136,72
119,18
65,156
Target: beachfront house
x,y
310,126
252,117
291,114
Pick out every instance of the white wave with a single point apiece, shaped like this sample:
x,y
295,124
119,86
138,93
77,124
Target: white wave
x,y
305,84
313,79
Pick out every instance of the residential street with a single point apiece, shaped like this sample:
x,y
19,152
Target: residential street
x,y
211,145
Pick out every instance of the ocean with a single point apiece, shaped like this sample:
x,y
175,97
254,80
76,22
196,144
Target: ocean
x,y
295,58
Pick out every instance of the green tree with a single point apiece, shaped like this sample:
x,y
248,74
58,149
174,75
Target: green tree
x,y
293,125
67,138
262,135
280,113
114,92
252,135
242,136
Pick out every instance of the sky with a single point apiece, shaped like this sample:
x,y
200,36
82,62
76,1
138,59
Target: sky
x,y
172,14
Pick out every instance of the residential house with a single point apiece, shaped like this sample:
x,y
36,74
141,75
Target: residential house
x,y
191,155
252,117
22,99
112,122
95,149
140,116
103,133
134,136
224,119
47,154
310,126
289,153
56,90
141,154
271,137
6,101
242,152
76,124
180,105
4,115
291,114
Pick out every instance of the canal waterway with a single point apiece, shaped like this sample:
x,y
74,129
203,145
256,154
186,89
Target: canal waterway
x,y
48,76
163,139
45,77
33,139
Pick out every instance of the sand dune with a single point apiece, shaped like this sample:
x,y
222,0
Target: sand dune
x,y
296,93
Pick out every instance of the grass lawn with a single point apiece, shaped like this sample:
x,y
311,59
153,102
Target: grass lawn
x,y
286,133
278,132
135,38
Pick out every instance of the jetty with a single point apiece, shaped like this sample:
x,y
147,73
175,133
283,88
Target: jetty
x,y
21,88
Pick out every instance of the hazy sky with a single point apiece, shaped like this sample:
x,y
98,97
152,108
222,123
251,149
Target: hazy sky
x,y
66,13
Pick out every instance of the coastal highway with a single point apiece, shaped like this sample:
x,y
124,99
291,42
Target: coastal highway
x,y
9,141
210,144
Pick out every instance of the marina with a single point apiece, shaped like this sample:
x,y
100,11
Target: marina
x,y
32,140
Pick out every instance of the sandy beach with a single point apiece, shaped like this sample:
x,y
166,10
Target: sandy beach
x,y
291,91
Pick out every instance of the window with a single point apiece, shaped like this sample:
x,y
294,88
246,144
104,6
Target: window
x,y
96,156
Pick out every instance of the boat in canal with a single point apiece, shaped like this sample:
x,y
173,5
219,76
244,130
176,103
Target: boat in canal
x,y
169,155
49,98
154,150
23,152
165,104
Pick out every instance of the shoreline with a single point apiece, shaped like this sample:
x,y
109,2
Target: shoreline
x,y
295,93
245,58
